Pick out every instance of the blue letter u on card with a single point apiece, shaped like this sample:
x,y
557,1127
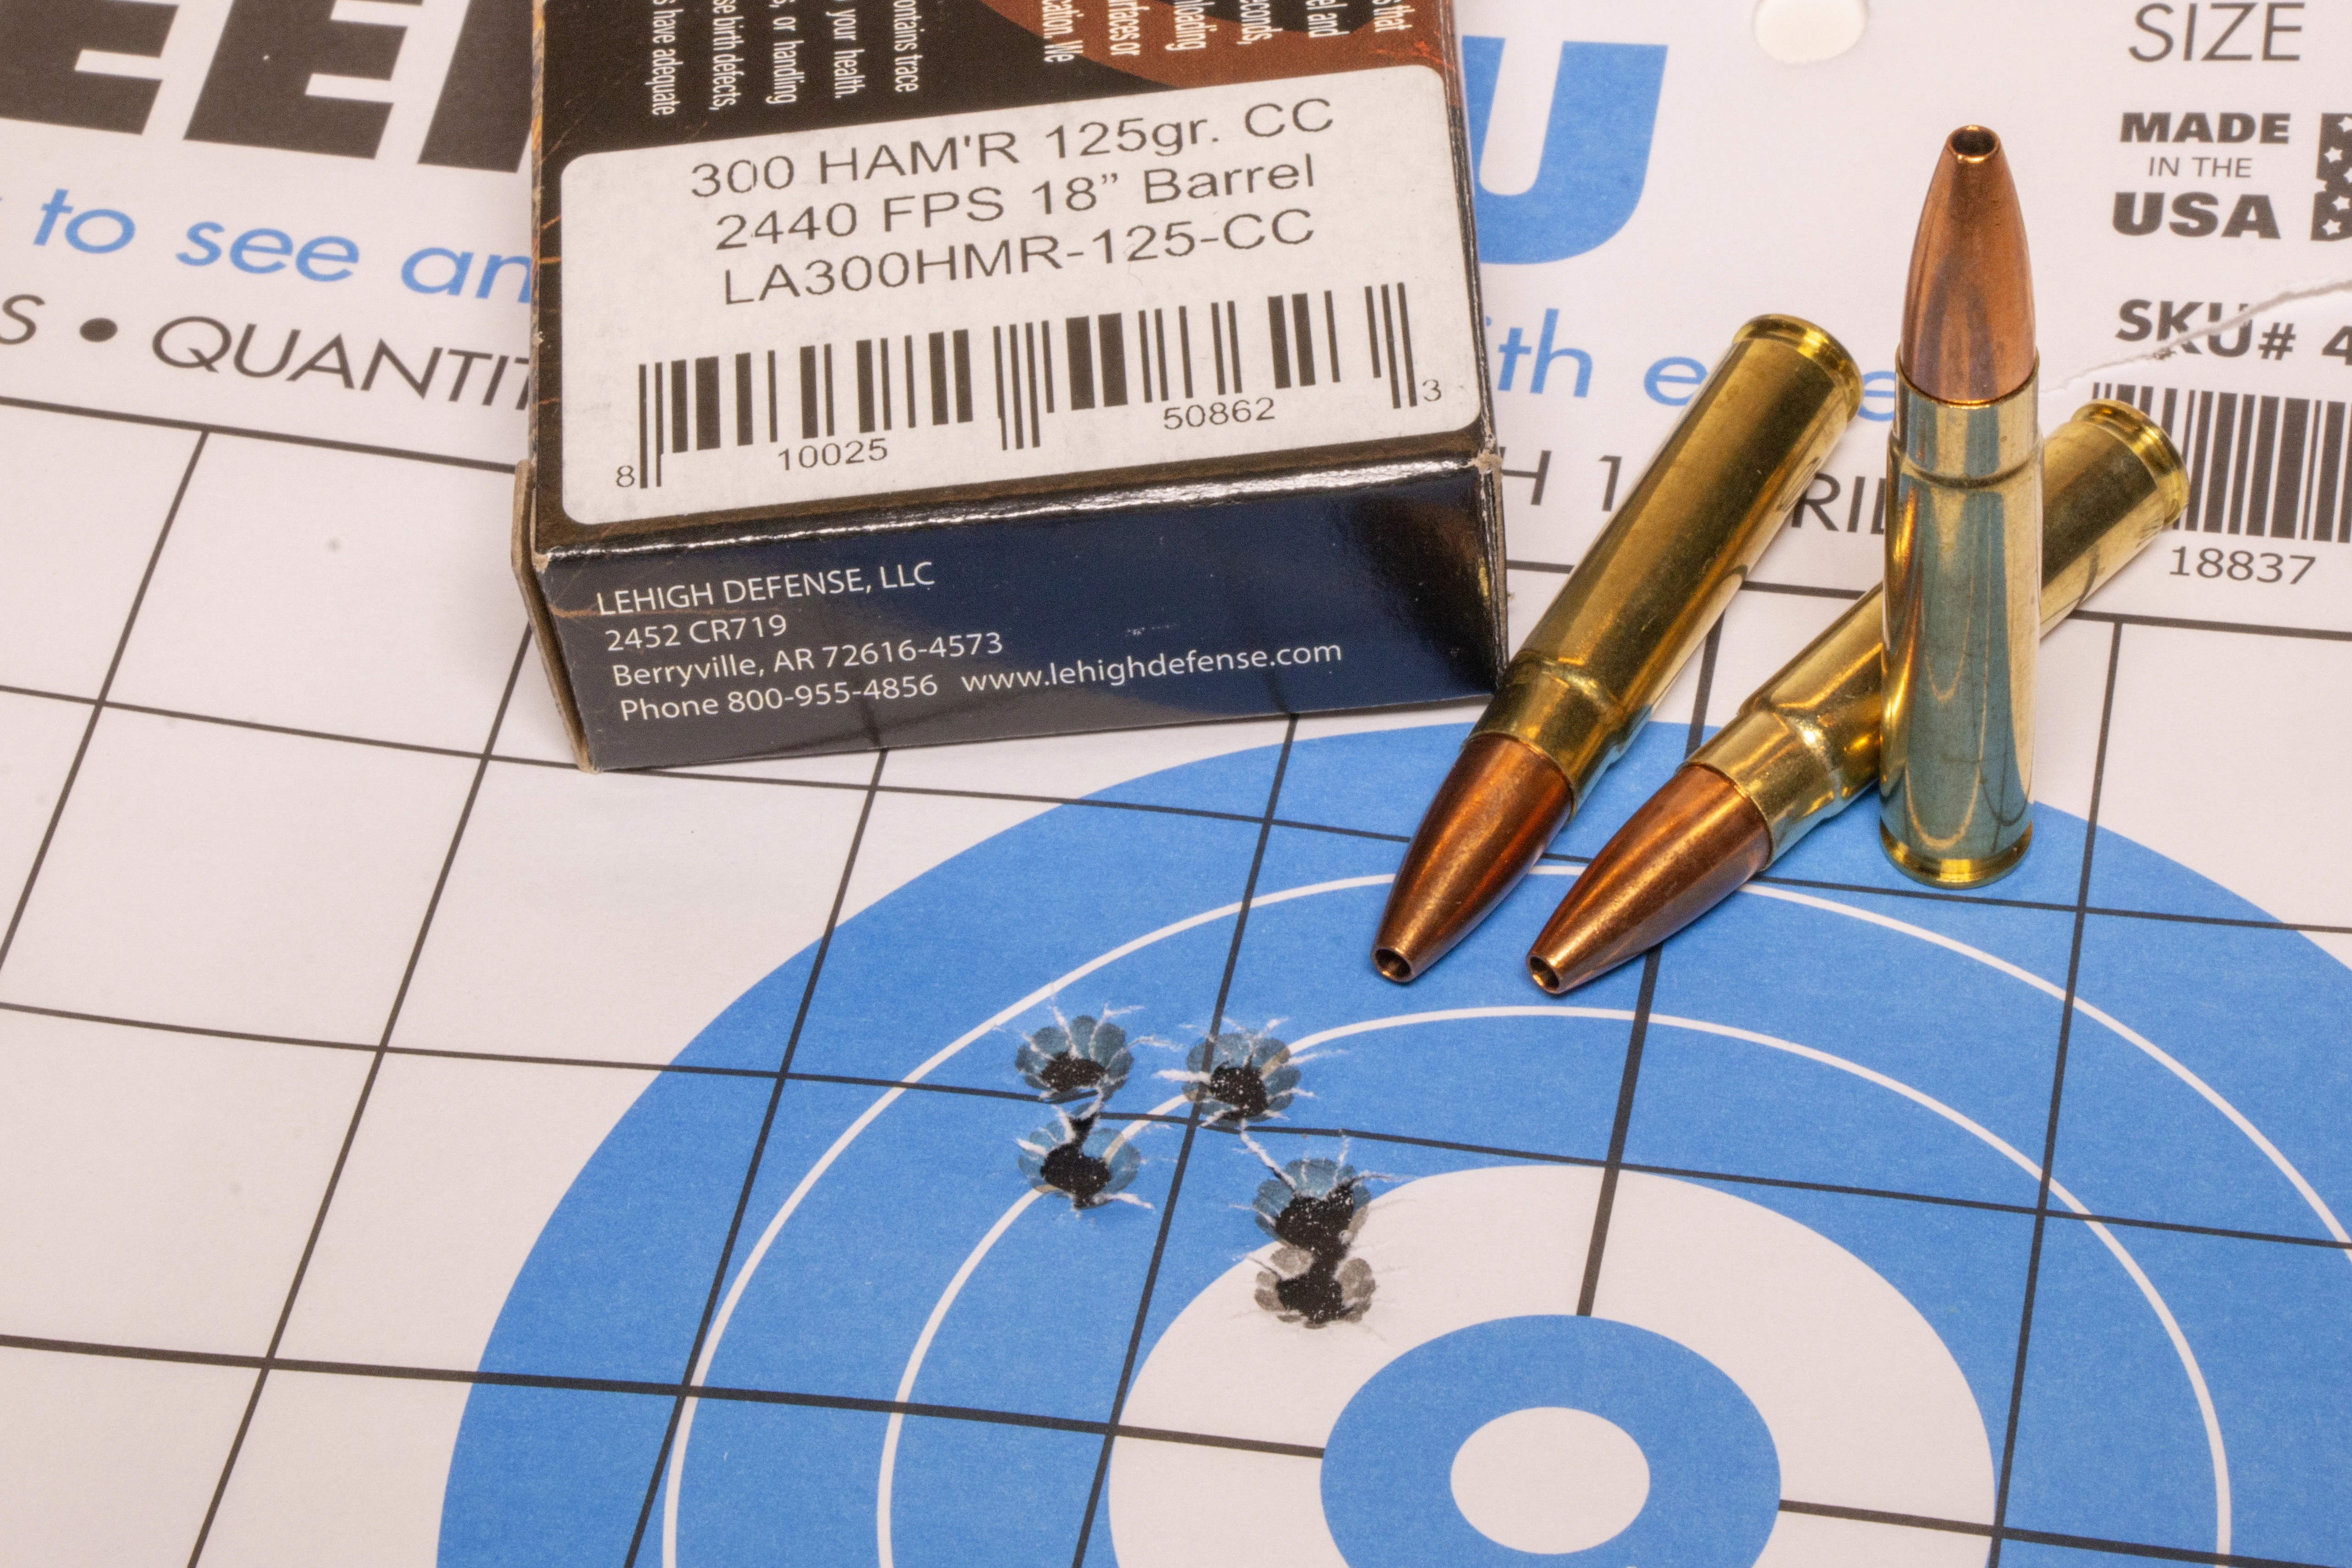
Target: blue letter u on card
x,y
1596,149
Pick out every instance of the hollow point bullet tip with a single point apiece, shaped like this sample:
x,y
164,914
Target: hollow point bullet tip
x,y
1685,850
1968,306
1499,805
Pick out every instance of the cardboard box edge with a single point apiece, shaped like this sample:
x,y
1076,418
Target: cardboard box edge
x,y
542,621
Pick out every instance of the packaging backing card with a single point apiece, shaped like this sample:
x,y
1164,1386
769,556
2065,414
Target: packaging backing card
x,y
1156,328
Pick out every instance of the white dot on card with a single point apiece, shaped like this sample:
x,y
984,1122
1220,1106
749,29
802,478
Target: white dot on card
x,y
1799,32
1550,1479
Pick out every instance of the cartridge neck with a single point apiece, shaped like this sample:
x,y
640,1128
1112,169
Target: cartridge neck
x,y
1567,715
1806,743
1967,443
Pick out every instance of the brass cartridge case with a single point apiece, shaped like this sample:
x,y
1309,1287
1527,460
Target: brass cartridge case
x,y
1678,549
1963,612
2111,482
1806,743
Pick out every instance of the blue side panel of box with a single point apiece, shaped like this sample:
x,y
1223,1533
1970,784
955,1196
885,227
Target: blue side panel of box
x,y
1352,597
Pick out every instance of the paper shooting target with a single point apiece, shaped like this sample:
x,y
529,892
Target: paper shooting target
x,y
1781,1326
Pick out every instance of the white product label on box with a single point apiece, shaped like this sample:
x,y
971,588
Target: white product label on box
x,y
1271,266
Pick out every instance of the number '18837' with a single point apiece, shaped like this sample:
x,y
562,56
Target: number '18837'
x,y
2241,565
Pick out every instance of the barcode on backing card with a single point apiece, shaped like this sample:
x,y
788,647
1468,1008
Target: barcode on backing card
x,y
713,362
2277,467
1024,375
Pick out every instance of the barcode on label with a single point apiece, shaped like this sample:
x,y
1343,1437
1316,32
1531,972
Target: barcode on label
x,y
2277,467
1023,376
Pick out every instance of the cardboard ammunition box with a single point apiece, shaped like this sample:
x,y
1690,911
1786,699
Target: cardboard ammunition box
x,y
917,371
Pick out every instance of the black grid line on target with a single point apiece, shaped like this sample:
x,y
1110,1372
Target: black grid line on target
x,y
485,758
358,1110
1286,1129
715,774
719,1270
711,774
2057,1094
774,1397
98,708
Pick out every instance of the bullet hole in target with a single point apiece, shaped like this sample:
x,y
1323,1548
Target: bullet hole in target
x,y
1079,1160
1240,1076
1076,1065
1315,1209
1075,1059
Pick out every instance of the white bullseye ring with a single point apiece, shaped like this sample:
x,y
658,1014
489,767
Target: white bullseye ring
x,y
1550,1479
1866,1406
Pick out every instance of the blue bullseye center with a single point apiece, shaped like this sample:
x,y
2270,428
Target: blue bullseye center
x,y
1714,1476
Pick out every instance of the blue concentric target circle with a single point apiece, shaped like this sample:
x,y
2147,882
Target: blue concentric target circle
x,y
894,1353
1714,1479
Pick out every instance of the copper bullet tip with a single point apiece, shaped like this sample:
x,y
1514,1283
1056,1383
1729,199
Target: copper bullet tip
x,y
1493,815
1968,310
1688,848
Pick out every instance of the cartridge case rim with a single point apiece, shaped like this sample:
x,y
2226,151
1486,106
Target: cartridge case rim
x,y
1958,871
1816,344
2165,468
